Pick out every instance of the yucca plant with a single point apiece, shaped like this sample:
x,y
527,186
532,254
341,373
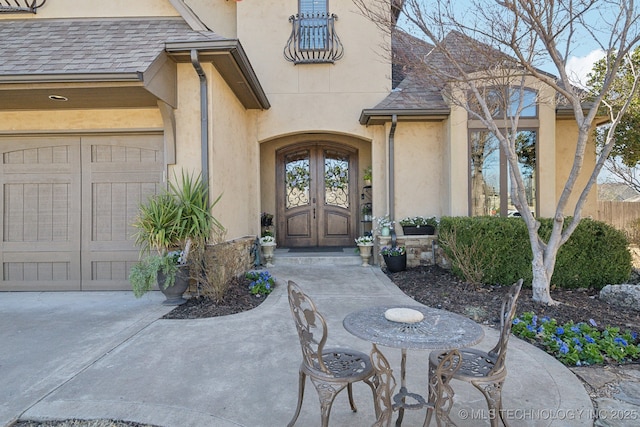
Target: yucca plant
x,y
172,220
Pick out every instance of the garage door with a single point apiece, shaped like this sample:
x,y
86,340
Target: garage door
x,y
66,205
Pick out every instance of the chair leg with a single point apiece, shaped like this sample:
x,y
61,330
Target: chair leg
x,y
327,392
301,381
351,402
376,405
493,395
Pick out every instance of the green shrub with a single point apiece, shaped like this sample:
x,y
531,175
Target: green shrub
x,y
496,250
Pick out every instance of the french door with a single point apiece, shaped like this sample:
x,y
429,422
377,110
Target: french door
x,y
316,193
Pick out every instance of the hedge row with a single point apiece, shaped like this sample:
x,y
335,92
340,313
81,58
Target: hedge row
x,y
595,255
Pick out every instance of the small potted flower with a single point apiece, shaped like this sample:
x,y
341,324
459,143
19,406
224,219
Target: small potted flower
x,y
419,225
268,245
395,257
383,225
367,176
365,245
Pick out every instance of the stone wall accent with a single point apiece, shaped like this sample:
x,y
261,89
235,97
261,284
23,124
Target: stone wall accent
x,y
235,256
420,248
626,295
223,262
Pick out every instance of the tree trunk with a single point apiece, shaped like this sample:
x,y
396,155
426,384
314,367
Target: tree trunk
x,y
542,266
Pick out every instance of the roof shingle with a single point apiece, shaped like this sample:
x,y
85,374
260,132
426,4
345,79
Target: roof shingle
x,y
69,46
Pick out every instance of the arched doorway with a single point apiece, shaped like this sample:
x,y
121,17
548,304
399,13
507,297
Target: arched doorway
x,y
316,190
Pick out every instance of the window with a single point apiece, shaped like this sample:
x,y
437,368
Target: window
x,y
490,181
497,99
313,24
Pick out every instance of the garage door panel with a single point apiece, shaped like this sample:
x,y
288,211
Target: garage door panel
x,y
119,173
67,204
43,271
37,212
40,206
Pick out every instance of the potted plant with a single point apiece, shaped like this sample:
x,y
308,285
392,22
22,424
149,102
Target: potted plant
x,y
268,245
383,225
419,225
367,175
395,257
169,225
366,212
365,245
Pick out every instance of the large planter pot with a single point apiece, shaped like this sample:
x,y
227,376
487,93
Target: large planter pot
x,y
415,230
365,254
396,263
267,253
174,292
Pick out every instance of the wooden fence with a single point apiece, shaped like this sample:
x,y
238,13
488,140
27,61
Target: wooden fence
x,y
621,215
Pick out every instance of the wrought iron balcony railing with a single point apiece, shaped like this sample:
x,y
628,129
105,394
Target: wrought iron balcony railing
x,y
313,39
20,6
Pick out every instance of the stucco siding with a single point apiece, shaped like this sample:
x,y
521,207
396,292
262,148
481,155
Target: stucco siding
x,y
96,9
566,137
419,153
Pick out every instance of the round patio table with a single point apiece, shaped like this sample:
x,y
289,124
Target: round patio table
x,y
439,330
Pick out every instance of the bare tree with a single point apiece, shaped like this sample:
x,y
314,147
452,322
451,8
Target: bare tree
x,y
485,55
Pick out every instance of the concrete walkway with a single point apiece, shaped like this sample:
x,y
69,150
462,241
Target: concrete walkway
x,y
108,355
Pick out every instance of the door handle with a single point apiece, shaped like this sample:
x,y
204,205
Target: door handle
x,y
314,213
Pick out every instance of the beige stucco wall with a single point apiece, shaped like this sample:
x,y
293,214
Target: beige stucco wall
x,y
217,15
419,169
566,138
95,9
313,97
46,122
233,150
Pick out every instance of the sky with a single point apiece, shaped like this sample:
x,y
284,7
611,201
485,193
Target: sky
x,y
580,64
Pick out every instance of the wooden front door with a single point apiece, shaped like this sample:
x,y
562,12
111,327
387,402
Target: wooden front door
x,y
316,195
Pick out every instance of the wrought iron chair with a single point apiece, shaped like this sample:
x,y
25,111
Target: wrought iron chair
x,y
440,392
438,385
330,370
487,370
385,385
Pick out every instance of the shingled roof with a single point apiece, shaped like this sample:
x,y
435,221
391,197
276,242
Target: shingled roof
x,y
69,46
417,91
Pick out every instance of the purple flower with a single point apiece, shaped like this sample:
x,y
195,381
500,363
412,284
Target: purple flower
x,y
516,320
559,330
620,340
575,328
592,322
589,339
545,319
564,349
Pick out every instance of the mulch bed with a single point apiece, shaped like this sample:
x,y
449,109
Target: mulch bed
x,y
437,287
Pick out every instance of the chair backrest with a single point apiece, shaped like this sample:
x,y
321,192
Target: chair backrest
x,y
385,384
507,315
311,326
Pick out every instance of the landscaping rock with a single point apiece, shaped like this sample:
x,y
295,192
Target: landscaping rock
x,y
626,295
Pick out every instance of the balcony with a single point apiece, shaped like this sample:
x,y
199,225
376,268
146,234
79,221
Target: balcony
x,y
313,39
20,6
